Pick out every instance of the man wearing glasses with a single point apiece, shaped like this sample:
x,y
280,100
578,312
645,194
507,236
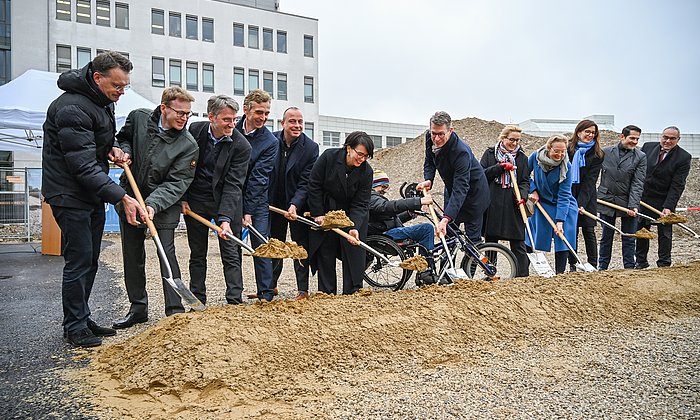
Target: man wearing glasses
x,y
163,157
78,141
668,166
466,190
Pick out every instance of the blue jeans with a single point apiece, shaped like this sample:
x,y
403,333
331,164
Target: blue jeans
x,y
423,233
628,225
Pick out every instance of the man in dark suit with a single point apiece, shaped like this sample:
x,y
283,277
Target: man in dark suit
x,y
668,166
296,155
217,193
256,109
466,190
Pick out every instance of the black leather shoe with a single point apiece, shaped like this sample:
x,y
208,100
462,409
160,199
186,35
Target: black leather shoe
x,y
100,331
641,266
130,320
83,338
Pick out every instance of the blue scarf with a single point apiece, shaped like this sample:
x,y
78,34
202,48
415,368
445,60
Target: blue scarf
x,y
579,160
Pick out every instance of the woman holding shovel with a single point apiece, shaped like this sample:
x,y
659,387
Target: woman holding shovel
x,y
550,185
503,219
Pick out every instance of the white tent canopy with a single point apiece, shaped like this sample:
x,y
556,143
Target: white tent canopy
x,y
24,101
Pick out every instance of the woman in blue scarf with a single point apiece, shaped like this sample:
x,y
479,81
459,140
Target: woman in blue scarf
x,y
586,158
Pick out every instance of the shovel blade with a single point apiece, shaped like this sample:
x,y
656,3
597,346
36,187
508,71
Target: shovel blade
x,y
456,274
541,265
587,267
187,296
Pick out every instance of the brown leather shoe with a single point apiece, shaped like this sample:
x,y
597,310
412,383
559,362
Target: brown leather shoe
x,y
255,295
302,295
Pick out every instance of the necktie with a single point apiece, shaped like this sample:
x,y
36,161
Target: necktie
x,y
662,155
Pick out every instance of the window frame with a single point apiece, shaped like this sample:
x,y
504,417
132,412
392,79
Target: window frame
x,y
207,21
102,5
172,16
207,68
242,34
173,64
282,46
188,20
309,99
80,15
311,54
239,71
192,67
83,50
121,7
65,11
282,82
63,64
256,44
268,32
155,28
158,78
269,77
253,73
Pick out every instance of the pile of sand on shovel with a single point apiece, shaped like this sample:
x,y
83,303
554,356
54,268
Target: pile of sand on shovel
x,y
643,233
417,263
336,219
278,249
672,218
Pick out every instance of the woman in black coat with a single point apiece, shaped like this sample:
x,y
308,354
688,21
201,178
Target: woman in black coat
x,y
341,179
586,158
503,219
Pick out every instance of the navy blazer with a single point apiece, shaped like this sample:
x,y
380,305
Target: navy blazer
x,y
296,175
230,172
466,190
665,181
262,161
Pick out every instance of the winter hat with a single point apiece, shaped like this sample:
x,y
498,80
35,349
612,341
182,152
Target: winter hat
x,y
380,178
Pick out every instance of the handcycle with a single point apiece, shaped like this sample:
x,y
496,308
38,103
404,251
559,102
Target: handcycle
x,y
482,261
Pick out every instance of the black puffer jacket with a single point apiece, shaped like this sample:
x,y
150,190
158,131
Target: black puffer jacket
x,y
385,214
78,136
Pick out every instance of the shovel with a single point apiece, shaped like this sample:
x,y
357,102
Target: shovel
x,y
452,272
211,225
682,225
603,222
258,234
537,259
345,235
177,284
587,267
624,210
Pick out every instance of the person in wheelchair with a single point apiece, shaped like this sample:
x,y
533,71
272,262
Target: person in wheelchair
x,y
386,217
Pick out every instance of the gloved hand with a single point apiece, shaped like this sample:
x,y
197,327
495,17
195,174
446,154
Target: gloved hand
x,y
519,202
507,166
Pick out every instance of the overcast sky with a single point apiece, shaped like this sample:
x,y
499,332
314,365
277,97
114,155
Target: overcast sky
x,y
509,61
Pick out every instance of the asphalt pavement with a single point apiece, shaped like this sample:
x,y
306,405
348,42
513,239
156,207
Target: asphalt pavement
x,y
32,350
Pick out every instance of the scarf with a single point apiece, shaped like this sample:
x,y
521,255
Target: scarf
x,y
579,160
547,163
504,155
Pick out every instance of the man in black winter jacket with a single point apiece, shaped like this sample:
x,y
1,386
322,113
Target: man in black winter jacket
x,y
78,141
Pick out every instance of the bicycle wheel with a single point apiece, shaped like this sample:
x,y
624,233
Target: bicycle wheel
x,y
497,255
380,274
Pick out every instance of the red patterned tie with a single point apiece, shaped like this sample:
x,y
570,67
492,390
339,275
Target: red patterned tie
x,y
662,155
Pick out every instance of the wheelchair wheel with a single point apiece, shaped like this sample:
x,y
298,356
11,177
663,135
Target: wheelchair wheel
x,y
378,273
497,255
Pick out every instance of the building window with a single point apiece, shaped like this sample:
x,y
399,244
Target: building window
x,y
267,83
377,140
208,29
309,89
238,35
63,58
253,37
158,71
309,130
208,77
192,82
281,42
270,124
331,138
84,56
83,12
121,15
308,46
238,81
253,80
5,66
175,24
282,86
175,73
191,27
102,13
63,9
267,39
157,22
392,141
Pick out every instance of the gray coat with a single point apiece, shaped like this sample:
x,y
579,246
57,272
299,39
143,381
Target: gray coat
x,y
622,179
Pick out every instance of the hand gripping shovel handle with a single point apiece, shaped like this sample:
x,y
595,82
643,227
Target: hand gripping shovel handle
x,y
454,273
683,226
211,225
624,210
561,236
187,296
521,206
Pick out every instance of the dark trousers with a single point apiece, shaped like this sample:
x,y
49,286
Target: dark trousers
x,y
518,249
81,234
263,266
472,228
198,241
665,238
560,259
628,225
134,256
591,244
300,234
353,258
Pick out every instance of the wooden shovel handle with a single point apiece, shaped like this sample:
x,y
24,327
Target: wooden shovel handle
x,y
278,210
431,208
651,208
613,206
202,220
139,198
549,219
589,214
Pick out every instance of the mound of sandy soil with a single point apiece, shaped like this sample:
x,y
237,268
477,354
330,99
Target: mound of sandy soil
x,y
269,359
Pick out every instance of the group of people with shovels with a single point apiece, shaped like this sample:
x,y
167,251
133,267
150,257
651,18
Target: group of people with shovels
x,y
231,172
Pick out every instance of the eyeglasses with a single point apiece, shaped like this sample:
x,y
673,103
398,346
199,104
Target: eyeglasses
x,y
441,134
513,140
180,114
667,138
361,155
588,133
117,86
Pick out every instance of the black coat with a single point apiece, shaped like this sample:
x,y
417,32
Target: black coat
x,y
229,175
296,174
503,219
466,189
664,181
78,135
585,191
262,161
385,214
